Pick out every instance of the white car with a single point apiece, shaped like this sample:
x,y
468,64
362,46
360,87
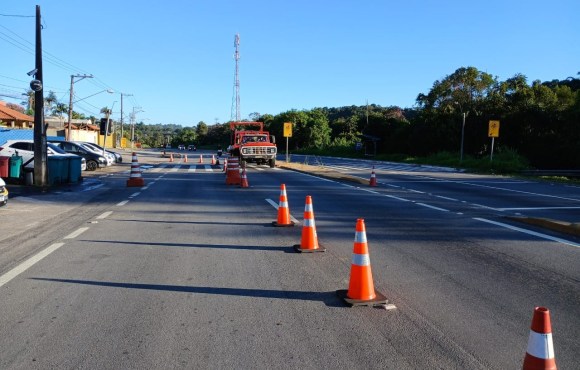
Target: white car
x,y
25,149
115,157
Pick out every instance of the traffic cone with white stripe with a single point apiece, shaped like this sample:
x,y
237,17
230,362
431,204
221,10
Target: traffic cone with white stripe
x,y
540,352
373,181
200,158
244,179
171,157
283,210
361,289
185,159
135,178
212,160
225,165
309,241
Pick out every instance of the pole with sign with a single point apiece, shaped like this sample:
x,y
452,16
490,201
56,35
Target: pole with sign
x,y
287,134
493,132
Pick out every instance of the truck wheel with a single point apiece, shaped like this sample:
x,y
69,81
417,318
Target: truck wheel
x,y
272,162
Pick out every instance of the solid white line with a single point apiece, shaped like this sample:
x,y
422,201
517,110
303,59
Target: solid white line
x,y
529,232
28,263
442,197
192,169
432,207
535,208
275,205
122,203
76,233
393,186
397,198
104,215
416,191
518,191
482,206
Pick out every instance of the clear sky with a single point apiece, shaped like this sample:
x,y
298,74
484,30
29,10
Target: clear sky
x,y
176,56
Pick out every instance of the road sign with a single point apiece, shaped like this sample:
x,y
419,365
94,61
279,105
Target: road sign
x,y
287,129
493,129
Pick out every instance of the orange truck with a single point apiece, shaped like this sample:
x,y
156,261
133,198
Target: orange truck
x,y
252,146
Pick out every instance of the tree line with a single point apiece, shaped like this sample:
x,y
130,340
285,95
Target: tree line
x,y
538,120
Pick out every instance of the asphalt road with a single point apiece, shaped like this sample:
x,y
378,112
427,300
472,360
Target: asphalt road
x,y
188,272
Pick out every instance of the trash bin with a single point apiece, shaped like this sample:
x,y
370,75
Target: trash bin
x,y
15,165
55,167
74,169
4,165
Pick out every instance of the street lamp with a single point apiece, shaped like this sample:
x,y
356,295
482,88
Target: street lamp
x,y
122,115
90,96
70,106
462,131
133,124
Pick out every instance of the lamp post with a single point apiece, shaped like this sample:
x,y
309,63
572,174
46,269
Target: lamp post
x,y
133,124
70,106
109,112
464,114
122,115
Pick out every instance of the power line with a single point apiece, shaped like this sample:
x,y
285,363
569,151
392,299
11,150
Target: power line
x,y
17,15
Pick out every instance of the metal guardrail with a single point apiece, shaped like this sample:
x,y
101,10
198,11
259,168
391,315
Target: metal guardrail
x,y
561,173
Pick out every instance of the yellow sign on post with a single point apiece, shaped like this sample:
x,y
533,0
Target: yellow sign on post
x,y
287,129
493,129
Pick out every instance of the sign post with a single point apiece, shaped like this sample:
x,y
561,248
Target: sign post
x,y
287,134
493,132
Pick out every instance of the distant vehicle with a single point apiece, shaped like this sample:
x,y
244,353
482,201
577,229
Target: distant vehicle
x,y
168,146
93,159
3,193
25,149
181,147
191,148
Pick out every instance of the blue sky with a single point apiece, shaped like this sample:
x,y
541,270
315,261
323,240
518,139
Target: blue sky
x,y
176,56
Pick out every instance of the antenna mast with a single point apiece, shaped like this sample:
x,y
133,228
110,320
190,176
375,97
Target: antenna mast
x,y
236,115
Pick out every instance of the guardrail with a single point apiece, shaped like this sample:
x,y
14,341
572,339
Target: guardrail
x,y
561,173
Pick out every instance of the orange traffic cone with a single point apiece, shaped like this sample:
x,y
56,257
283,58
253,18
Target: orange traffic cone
x,y
171,157
233,172
283,210
225,165
135,178
361,290
212,160
244,179
185,159
373,181
200,158
540,352
309,241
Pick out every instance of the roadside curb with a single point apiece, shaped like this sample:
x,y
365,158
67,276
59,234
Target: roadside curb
x,y
322,172
555,225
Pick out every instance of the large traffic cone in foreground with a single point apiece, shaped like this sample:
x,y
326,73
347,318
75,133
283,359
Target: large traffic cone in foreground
x,y
373,181
171,157
361,289
244,179
135,178
233,172
540,352
283,210
309,241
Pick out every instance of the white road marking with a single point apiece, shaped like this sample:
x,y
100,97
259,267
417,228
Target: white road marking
x,y
104,215
28,263
534,208
134,195
275,205
122,203
529,232
208,168
432,207
447,198
397,198
76,233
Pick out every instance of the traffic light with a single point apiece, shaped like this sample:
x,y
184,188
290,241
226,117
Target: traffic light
x,y
103,127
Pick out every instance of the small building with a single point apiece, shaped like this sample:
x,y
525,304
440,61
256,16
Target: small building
x,y
13,119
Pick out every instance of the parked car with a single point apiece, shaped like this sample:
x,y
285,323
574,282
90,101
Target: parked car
x,y
191,148
25,149
94,160
181,147
3,193
116,157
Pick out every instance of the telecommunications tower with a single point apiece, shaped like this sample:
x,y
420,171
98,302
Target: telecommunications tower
x,y
236,115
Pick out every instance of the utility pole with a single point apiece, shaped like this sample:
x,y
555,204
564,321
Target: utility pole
x,y
70,105
133,125
122,116
40,170
236,115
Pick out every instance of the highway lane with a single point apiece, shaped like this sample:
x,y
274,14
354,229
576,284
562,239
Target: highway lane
x,y
188,271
